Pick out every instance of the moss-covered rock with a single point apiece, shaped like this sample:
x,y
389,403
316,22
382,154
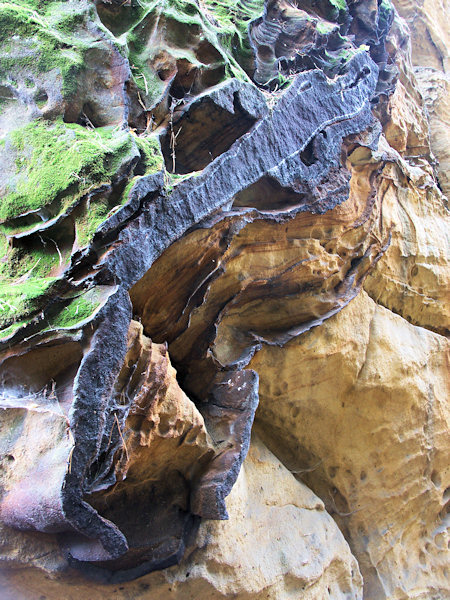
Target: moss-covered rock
x,y
69,69
37,37
185,50
20,300
233,19
79,309
59,178
59,162
102,207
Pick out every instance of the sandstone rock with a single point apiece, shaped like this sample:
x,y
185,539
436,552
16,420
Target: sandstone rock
x,y
132,505
358,408
435,88
292,36
411,278
406,129
427,20
145,489
279,543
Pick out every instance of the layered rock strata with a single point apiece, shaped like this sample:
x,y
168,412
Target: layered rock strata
x,y
250,189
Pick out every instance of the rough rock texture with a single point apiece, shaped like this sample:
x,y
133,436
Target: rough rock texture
x,y
430,56
367,379
278,543
253,192
429,32
435,86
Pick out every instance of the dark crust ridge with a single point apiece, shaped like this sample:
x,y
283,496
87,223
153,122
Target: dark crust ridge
x,y
273,147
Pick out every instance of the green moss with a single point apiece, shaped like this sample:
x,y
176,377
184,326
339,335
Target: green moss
x,y
38,256
79,309
40,36
55,160
101,209
151,153
384,15
9,331
57,164
385,5
324,27
141,52
146,80
233,19
18,262
338,58
171,180
235,15
339,4
88,224
41,103
332,10
21,299
19,19
223,24
4,248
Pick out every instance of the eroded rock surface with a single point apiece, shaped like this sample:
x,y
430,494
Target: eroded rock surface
x,y
278,543
368,382
429,33
254,193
